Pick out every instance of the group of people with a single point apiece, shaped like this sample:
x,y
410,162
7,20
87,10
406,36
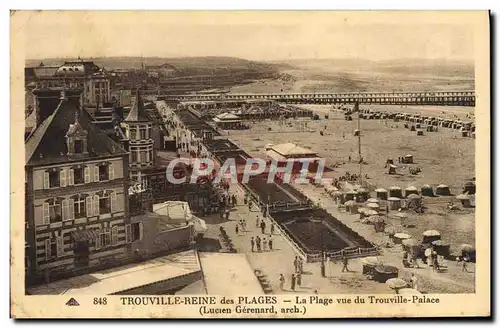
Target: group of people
x,y
296,278
261,244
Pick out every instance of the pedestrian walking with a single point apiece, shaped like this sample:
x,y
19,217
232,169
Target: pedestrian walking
x,y
250,205
299,279
264,244
263,227
301,265
345,262
282,281
257,240
252,243
414,281
270,242
257,221
237,230
464,265
272,229
296,263
292,283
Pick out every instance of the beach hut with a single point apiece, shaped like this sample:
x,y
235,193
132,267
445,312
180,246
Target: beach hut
x,y
411,245
418,125
412,128
469,188
363,194
389,161
394,203
392,169
395,191
465,199
351,194
443,190
382,273
430,235
402,216
441,247
464,133
381,193
378,223
356,133
408,159
429,128
351,207
411,190
413,201
420,132
372,200
427,190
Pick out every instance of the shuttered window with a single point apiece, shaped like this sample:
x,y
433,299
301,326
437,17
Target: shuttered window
x,y
62,178
89,203
96,174
60,246
95,205
71,177
114,235
46,213
111,172
87,174
46,181
47,249
113,202
128,233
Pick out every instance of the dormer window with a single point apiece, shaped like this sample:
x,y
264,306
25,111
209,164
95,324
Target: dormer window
x,y
78,145
76,138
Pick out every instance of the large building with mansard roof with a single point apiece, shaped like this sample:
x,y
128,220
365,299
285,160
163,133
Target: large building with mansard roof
x,y
76,192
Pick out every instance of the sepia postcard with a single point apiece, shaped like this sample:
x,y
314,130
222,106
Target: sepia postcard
x,y
250,164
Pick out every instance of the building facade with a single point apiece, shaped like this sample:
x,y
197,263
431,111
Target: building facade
x,y
139,131
86,76
76,196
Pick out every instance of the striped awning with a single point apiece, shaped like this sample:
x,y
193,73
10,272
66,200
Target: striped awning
x,y
83,235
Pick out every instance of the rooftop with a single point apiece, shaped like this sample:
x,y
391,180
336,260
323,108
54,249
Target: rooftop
x,y
291,149
47,144
138,112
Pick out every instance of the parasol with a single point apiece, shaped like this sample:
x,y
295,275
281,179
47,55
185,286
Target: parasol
x,y
409,291
390,230
376,219
371,260
428,252
394,188
402,235
411,242
352,192
380,190
431,233
411,188
413,196
372,200
440,243
396,283
467,248
370,212
372,205
393,199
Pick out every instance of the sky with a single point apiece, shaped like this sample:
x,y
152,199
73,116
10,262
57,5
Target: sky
x,y
255,36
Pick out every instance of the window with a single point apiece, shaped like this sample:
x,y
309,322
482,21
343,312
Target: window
x,y
134,156
79,176
143,133
55,212
133,232
105,238
133,134
143,155
78,146
79,207
104,204
54,247
103,173
54,179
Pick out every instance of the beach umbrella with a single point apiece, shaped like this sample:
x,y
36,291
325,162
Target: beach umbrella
x,y
440,243
352,192
372,200
467,248
390,230
396,283
372,205
371,260
376,219
370,212
401,215
402,235
411,188
431,233
350,203
428,252
413,196
409,291
394,199
394,188
380,190
410,242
